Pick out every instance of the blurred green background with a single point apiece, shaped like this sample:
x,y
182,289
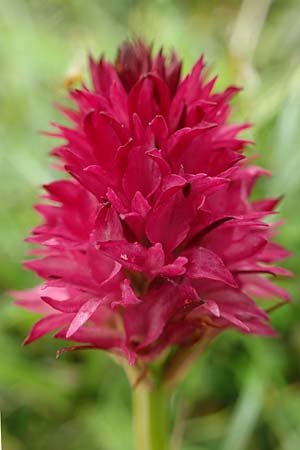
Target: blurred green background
x,y
244,393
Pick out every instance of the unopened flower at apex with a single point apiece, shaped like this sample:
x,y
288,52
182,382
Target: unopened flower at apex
x,y
153,242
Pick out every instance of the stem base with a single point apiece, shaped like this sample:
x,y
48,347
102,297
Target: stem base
x,y
150,417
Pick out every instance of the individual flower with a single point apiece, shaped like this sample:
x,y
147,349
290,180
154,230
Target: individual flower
x,y
153,242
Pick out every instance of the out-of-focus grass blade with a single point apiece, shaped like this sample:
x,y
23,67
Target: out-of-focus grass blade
x,y
245,415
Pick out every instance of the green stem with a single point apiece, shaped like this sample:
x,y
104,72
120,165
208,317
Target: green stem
x,y
150,417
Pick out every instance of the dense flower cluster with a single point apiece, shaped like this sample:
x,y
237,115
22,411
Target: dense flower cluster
x,y
153,240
